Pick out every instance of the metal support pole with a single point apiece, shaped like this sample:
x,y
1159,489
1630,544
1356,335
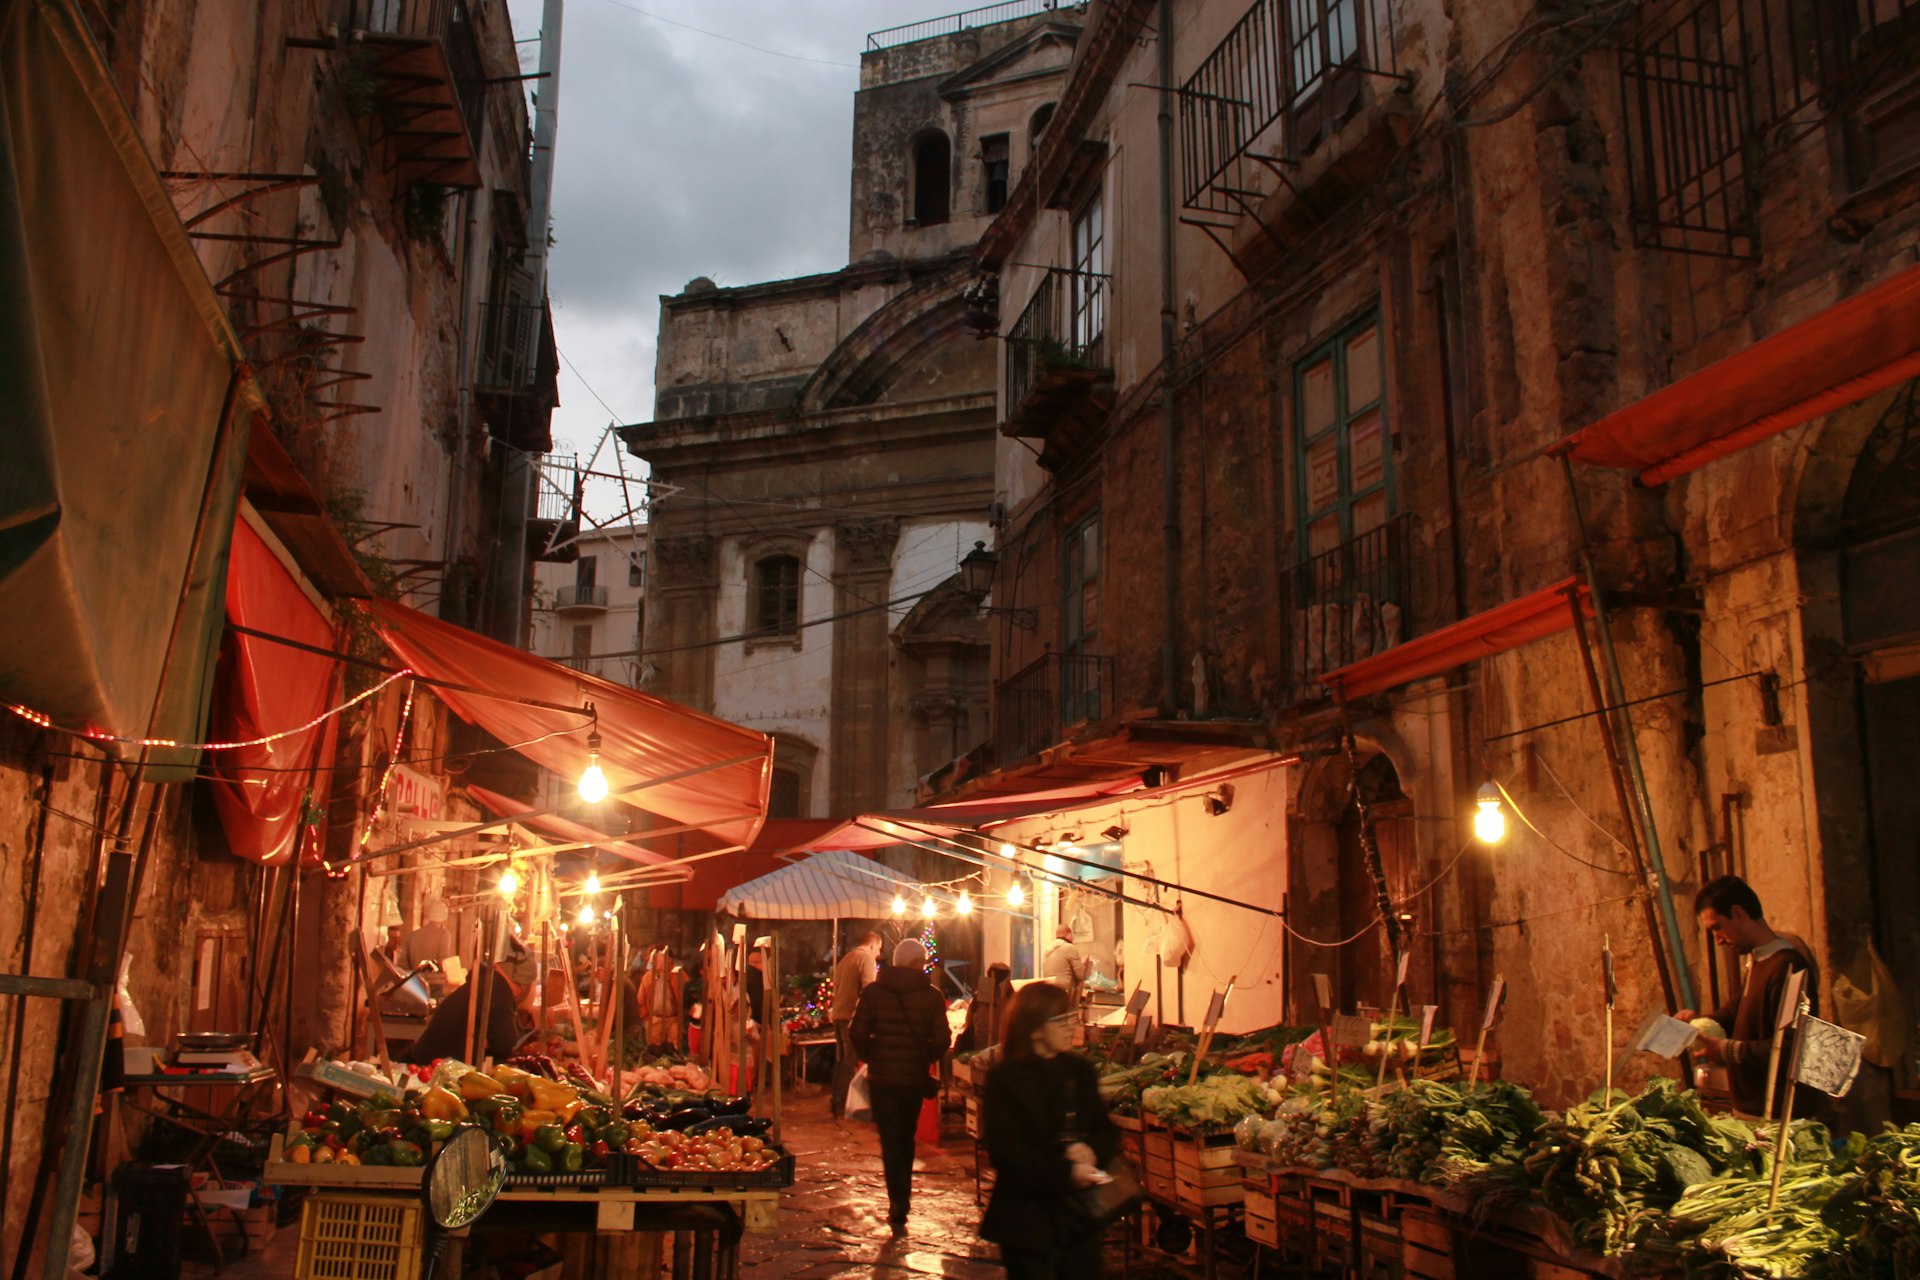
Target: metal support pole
x,y
1630,751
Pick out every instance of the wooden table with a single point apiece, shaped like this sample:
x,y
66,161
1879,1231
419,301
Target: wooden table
x,y
207,1128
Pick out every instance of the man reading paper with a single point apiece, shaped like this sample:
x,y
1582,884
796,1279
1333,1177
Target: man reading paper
x,y
1730,911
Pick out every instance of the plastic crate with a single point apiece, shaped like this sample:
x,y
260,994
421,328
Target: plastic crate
x,y
632,1171
360,1237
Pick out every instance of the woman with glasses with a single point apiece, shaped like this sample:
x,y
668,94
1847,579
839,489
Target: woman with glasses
x,y
1048,1134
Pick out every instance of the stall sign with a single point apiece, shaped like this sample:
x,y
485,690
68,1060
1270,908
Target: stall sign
x,y
413,794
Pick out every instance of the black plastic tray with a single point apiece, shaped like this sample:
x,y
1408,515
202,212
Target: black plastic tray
x,y
584,1178
632,1171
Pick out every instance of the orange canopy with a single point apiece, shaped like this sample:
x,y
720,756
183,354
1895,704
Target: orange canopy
x,y
699,783
1841,355
1505,626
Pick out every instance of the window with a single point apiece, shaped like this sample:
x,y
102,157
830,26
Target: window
x,y
580,653
995,158
783,795
1323,34
932,161
637,570
776,596
1089,276
1037,124
1343,450
1080,620
583,574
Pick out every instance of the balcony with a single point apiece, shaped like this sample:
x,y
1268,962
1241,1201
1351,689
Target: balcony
x,y
516,377
1302,63
576,600
954,23
1033,708
1345,604
1059,378
419,73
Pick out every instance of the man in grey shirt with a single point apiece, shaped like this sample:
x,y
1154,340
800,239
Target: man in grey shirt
x,y
855,972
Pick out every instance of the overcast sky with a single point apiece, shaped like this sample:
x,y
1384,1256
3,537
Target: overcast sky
x,y
696,138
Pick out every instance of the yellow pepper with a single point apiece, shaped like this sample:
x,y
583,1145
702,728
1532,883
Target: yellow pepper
x,y
551,1095
474,1085
439,1104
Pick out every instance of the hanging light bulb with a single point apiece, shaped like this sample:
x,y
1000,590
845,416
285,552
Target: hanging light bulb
x,y
1489,824
509,883
1015,894
927,908
965,905
899,905
586,914
593,782
593,882
1008,851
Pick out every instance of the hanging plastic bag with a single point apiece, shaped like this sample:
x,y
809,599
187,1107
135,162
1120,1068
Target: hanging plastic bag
x,y
1874,1007
859,1100
1176,942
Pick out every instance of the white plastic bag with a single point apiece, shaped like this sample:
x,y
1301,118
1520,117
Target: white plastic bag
x,y
859,1101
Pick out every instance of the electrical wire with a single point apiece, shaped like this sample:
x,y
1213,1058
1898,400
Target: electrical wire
x,y
686,26
1551,842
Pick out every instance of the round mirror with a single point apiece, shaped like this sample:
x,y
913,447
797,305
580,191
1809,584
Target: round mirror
x,y
463,1179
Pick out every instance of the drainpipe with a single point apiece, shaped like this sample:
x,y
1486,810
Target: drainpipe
x,y
1630,750
463,429
1169,414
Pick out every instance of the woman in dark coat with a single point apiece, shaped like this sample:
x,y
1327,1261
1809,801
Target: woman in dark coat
x,y
1047,1133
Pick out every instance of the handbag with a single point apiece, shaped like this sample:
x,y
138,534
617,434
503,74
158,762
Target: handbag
x,y
1107,1202
859,1098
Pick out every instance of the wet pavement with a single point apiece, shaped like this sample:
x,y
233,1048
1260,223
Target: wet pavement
x,y
833,1221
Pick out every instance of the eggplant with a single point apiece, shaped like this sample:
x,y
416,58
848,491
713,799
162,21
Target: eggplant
x,y
684,1117
732,1107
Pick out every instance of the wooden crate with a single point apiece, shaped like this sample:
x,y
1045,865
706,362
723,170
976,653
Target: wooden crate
x,y
1156,1164
1541,1269
1260,1222
1205,1176
1333,1233
1293,1225
1426,1247
1379,1254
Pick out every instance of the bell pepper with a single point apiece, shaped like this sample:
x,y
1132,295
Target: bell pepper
x,y
376,1155
441,1104
551,1095
474,1085
300,1155
572,1156
439,1130
549,1138
405,1155
534,1160
345,1157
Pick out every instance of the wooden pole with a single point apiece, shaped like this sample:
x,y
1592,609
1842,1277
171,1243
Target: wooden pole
x,y
573,1001
473,992
1786,1111
774,1031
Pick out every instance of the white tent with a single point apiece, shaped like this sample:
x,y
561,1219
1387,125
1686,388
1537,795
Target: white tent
x,y
831,885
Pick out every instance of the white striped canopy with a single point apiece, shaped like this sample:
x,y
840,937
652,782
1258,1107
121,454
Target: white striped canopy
x,y
831,885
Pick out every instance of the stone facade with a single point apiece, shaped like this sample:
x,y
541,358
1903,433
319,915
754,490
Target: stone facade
x,y
1439,259
824,448
364,281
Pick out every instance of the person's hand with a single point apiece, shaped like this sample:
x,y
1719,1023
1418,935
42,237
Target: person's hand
x,y
1712,1048
1079,1153
1687,1015
1088,1175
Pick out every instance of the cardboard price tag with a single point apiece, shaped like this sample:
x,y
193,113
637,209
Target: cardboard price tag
x,y
1790,998
1323,992
1606,971
1495,995
1142,1028
1350,1031
1427,1012
1138,1001
1400,974
1215,1007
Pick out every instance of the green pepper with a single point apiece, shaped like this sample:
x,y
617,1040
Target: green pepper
x,y
439,1130
534,1160
572,1156
376,1155
405,1155
549,1138
386,1118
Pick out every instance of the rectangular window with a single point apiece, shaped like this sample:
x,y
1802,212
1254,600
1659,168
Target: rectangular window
x,y
637,570
1089,277
1080,685
1323,34
776,596
995,165
580,654
1344,448
583,573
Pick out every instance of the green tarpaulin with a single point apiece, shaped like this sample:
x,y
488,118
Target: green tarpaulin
x,y
122,420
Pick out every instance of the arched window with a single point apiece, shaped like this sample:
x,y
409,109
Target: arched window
x,y
932,170
776,596
1037,124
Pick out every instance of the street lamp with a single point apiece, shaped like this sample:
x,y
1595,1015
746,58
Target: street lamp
x,y
1489,823
977,569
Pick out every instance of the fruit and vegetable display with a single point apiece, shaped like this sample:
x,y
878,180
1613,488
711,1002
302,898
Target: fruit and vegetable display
x,y
547,1120
1652,1175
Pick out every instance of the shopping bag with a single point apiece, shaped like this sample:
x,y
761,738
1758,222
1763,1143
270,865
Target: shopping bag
x,y
927,1128
1867,1001
859,1101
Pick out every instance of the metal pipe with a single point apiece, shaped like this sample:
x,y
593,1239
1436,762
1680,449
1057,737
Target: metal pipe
x,y
1630,749
1169,412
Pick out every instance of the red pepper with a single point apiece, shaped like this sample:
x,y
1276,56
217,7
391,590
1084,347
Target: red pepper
x,y
574,1133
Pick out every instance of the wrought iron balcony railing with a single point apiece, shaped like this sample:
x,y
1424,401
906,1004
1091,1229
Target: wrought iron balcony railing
x,y
509,345
1037,704
426,63
1062,335
578,599
1304,61
1345,604
953,23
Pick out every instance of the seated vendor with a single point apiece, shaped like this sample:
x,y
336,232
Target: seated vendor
x,y
445,1035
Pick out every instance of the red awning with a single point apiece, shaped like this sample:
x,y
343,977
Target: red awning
x,y
701,781
1863,344
860,834
263,793
1496,630
562,830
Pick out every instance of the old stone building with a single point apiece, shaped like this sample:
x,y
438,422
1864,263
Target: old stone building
x,y
1409,383
822,451
271,338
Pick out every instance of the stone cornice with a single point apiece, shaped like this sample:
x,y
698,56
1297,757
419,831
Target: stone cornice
x,y
861,428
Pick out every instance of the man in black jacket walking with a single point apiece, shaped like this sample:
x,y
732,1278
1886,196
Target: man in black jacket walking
x,y
900,1031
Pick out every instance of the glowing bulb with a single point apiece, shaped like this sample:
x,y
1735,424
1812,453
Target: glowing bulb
x,y
1008,851
586,915
509,883
1015,894
965,905
593,882
1489,823
899,905
593,782
927,908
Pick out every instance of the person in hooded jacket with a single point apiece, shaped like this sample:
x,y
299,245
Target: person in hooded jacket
x,y
1048,1134
900,1031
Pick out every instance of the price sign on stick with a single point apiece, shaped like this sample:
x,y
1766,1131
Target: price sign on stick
x,y
1612,992
1350,1031
1323,992
1393,1015
1783,1018
1427,1013
1494,996
1215,1007
1400,975
1142,1028
1138,1001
